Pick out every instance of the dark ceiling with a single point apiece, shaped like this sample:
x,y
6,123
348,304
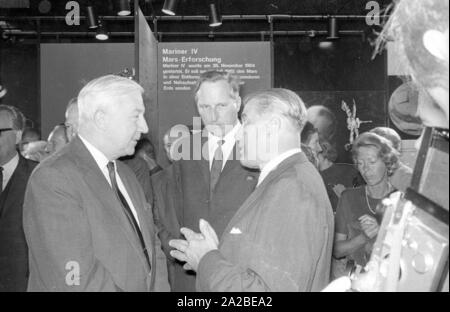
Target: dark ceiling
x,y
48,16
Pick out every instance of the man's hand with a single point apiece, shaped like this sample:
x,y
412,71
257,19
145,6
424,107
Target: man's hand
x,y
369,225
195,246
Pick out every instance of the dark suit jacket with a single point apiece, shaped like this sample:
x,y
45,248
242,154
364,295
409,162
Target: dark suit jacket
x,y
140,169
13,247
75,227
182,197
279,240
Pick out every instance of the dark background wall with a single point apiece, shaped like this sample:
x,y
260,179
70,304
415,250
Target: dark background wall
x,y
327,77
346,72
19,74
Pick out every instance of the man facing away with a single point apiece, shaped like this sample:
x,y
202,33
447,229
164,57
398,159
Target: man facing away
x,y
281,238
86,219
212,186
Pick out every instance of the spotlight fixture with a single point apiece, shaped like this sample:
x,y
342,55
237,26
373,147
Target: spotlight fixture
x,y
333,30
91,18
124,8
44,6
101,32
311,33
169,7
326,45
215,19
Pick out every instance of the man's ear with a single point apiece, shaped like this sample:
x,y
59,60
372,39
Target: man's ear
x,y
19,136
435,42
100,119
275,123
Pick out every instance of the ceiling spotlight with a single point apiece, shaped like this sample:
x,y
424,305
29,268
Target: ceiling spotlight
x,y
91,18
215,19
326,45
311,33
101,32
124,8
169,7
333,30
44,6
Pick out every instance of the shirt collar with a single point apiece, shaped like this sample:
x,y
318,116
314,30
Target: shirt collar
x,y
100,158
8,169
11,165
227,147
229,137
273,164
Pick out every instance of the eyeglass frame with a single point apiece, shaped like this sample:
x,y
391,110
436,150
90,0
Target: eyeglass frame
x,y
5,130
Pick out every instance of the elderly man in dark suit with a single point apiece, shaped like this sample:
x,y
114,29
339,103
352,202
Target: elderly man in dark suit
x,y
281,238
14,173
209,182
86,219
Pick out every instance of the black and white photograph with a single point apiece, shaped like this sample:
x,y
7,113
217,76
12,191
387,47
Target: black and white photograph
x,y
209,148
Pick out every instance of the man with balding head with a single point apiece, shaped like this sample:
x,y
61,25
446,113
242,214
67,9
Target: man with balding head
x,y
72,119
57,139
14,173
86,219
281,237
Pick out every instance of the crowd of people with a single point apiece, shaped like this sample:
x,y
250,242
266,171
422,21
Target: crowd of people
x,y
252,201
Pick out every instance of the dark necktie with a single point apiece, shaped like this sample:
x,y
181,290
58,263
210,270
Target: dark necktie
x,y
126,208
1,180
216,167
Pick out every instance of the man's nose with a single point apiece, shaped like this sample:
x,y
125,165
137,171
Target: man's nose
x,y
214,115
143,127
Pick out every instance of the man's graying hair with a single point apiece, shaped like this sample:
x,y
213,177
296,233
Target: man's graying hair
x,y
99,92
18,119
214,76
283,102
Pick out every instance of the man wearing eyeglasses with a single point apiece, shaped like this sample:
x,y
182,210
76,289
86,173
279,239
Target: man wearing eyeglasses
x,y
14,173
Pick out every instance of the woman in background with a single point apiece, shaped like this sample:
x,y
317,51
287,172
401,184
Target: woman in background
x,y
357,222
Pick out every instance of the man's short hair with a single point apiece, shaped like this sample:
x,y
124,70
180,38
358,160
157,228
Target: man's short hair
x,y
391,135
282,102
73,103
17,118
321,111
99,92
60,131
214,76
408,22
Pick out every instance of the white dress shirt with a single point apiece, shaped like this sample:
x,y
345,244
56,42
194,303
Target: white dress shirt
x,y
102,162
273,164
227,147
8,170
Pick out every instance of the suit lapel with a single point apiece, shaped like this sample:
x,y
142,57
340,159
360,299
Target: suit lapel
x,y
11,187
231,164
203,163
139,205
104,193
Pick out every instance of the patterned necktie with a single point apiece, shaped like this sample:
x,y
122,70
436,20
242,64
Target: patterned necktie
x,y
216,167
1,180
126,208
